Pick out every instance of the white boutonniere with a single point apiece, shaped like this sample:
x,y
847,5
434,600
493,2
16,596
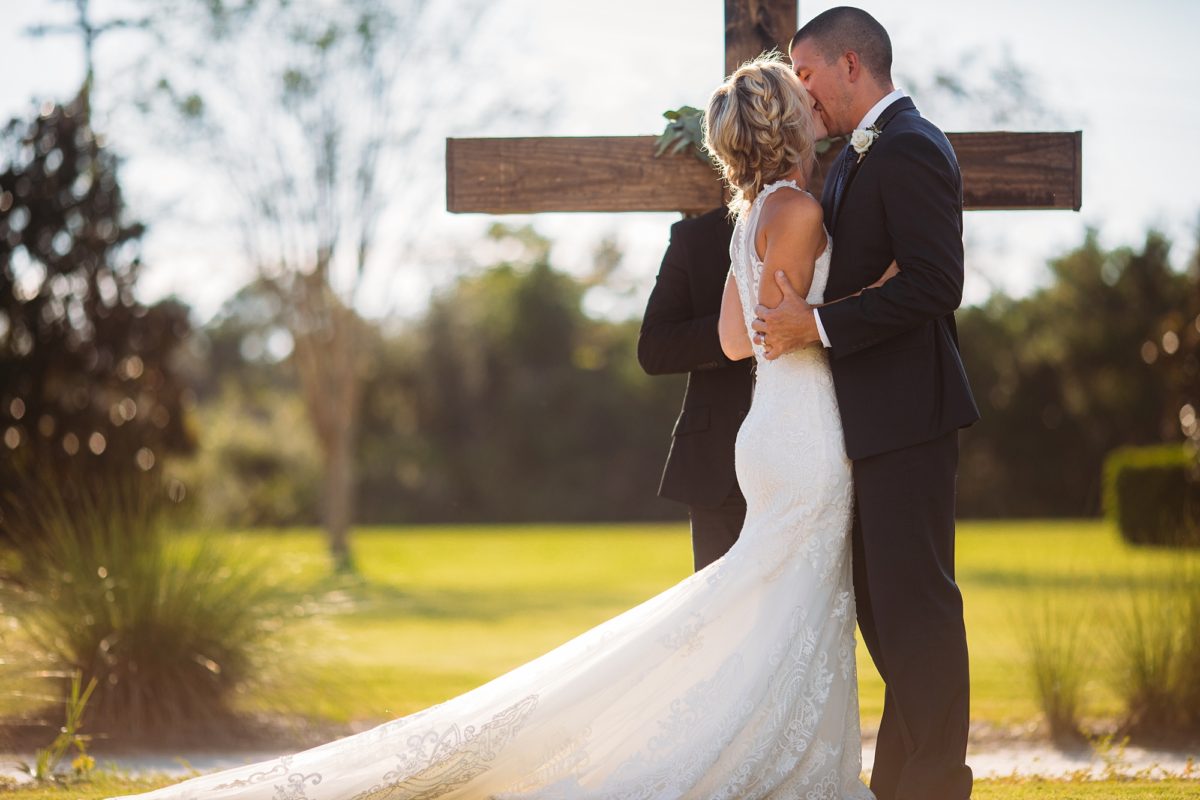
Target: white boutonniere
x,y
862,139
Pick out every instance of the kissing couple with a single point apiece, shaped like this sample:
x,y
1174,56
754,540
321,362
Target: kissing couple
x,y
740,682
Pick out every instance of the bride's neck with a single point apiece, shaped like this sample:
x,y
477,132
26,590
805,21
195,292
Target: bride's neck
x,y
800,176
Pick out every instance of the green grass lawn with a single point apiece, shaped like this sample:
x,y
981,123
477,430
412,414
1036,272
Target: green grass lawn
x,y
441,610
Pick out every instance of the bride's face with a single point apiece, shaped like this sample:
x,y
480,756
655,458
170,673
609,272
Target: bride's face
x,y
818,124
819,131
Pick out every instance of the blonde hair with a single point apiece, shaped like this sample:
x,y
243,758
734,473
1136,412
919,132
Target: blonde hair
x,y
759,127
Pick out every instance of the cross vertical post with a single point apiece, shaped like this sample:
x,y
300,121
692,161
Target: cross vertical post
x,y
755,26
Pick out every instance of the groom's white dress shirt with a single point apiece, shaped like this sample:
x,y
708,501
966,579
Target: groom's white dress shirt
x,y
867,121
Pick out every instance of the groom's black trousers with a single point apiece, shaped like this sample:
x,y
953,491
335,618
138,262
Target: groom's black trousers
x,y
910,614
715,530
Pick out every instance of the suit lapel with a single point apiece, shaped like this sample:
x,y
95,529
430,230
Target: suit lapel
x,y
829,195
840,192
903,104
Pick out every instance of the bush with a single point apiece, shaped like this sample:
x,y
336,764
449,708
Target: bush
x,y
87,371
257,463
170,629
1153,494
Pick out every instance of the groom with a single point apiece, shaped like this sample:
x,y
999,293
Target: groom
x,y
901,389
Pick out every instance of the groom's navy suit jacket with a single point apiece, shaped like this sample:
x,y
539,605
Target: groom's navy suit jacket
x,y
894,350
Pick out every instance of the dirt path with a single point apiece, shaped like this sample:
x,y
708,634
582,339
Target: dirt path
x,y
990,761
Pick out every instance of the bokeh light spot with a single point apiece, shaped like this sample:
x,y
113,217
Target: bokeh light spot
x,y
1187,420
1170,342
131,368
176,491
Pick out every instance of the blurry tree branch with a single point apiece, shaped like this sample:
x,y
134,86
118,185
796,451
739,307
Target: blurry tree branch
x,y
981,90
90,30
307,110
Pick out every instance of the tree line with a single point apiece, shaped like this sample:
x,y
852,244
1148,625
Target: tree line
x,y
504,400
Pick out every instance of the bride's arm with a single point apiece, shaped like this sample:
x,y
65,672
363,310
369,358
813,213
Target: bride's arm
x,y
791,226
735,339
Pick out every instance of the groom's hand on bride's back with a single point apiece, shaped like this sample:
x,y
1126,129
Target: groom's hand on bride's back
x,y
786,327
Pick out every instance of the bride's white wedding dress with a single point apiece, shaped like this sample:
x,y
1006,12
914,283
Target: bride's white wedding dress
x,y
738,682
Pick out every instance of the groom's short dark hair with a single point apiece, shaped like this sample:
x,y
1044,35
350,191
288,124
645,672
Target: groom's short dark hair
x,y
846,28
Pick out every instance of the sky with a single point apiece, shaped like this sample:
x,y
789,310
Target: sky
x,y
1126,74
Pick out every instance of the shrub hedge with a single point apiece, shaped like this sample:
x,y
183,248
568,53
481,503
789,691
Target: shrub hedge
x,y
1153,494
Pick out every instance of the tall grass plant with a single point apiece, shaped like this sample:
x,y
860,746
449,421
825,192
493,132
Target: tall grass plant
x,y
1187,676
170,629
1156,659
1053,642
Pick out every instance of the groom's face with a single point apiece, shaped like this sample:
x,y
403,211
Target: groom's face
x,y
826,84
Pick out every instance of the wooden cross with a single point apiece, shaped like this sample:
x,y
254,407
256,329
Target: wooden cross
x,y
620,173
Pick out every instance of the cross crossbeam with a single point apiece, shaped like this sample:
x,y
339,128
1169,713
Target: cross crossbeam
x,y
620,173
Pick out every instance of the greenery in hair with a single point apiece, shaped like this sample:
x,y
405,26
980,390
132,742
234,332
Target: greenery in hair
x,y
685,127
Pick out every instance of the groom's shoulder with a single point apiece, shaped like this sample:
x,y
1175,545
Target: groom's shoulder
x,y
909,127
911,136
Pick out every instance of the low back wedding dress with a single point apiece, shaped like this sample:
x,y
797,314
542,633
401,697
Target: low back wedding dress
x,y
739,682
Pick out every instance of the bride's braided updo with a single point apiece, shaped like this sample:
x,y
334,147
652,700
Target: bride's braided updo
x,y
759,127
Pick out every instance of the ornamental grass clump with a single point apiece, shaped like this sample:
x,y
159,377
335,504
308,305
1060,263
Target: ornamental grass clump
x,y
1188,671
1157,659
1053,646
170,628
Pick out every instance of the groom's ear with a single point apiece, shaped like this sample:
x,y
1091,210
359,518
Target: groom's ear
x,y
852,66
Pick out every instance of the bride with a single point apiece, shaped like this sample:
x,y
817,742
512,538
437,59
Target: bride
x,y
738,682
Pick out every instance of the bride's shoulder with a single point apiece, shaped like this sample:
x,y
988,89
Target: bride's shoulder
x,y
784,209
